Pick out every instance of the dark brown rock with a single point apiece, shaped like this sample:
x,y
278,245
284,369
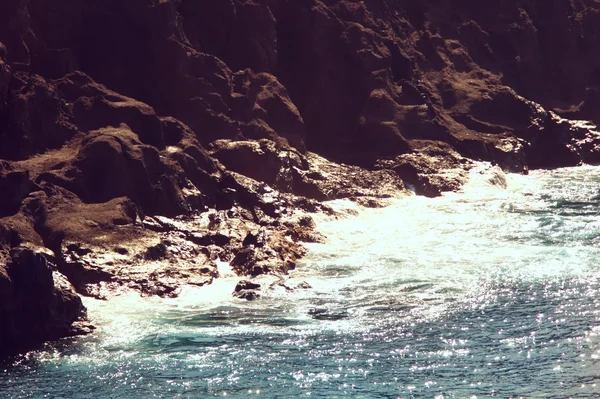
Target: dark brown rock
x,y
37,118
303,286
106,107
14,186
363,99
246,285
261,160
37,303
241,33
432,168
246,289
5,73
193,86
114,163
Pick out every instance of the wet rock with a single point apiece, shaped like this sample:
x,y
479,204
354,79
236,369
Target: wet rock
x,y
306,234
248,295
5,73
246,289
245,262
277,254
217,239
37,303
303,229
105,122
77,262
156,252
280,284
565,143
328,314
336,181
368,202
261,160
303,286
102,249
155,225
263,105
246,285
431,169
253,238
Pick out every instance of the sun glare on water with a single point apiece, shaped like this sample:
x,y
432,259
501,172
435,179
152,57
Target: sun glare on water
x,y
489,292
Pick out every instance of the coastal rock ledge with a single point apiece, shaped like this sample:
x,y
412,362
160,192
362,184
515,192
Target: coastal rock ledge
x,y
143,142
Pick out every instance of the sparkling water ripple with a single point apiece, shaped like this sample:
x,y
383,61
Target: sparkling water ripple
x,y
486,293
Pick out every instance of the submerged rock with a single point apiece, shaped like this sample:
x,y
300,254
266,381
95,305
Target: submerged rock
x,y
303,286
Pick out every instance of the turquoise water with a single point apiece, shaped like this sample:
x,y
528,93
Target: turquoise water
x,y
493,292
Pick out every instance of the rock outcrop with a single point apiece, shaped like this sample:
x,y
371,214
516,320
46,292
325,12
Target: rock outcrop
x,y
142,141
247,290
37,303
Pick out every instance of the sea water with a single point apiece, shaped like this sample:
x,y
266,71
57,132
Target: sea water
x,y
491,292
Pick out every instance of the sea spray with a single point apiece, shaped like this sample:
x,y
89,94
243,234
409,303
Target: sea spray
x,y
490,292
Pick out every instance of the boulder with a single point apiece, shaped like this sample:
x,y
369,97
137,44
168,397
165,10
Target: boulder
x,y
261,160
303,285
114,163
432,168
246,289
37,303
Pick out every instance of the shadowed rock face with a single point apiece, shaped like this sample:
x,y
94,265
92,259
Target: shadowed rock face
x,y
37,303
368,76
142,141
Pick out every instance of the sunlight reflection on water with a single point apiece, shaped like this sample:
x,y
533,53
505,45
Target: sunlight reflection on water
x,y
487,293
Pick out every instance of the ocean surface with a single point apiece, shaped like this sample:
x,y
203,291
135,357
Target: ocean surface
x,y
491,292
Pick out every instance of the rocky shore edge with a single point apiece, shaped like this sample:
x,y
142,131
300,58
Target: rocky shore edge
x,y
142,141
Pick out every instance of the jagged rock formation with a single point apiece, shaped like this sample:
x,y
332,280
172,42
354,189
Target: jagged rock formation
x,y
36,302
142,140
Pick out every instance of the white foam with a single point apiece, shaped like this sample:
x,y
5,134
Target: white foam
x,y
425,254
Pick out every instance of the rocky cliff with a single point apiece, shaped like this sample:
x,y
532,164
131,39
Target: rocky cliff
x,y
143,140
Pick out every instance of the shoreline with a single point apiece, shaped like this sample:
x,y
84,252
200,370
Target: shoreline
x,y
142,141
394,280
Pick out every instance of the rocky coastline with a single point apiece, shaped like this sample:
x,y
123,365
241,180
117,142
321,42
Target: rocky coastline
x,y
143,141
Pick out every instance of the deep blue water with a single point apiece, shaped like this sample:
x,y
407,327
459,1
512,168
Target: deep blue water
x,y
488,293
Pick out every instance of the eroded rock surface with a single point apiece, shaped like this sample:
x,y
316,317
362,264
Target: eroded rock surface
x,y
37,303
143,141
